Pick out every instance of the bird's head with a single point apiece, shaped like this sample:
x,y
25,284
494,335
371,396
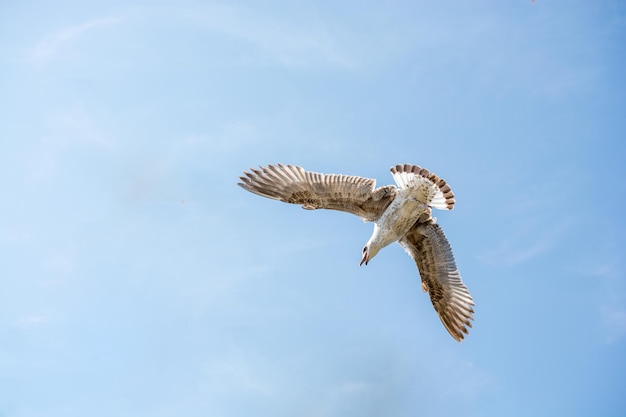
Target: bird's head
x,y
369,251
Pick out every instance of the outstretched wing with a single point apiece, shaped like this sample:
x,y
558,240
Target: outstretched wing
x,y
429,247
292,184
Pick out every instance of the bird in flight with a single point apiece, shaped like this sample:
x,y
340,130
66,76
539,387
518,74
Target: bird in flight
x,y
401,214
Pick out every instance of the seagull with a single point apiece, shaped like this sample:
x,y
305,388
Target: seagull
x,y
400,214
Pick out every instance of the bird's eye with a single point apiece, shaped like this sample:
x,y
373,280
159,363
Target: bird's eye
x,y
364,249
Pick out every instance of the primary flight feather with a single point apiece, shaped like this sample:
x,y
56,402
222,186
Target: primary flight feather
x,y
401,214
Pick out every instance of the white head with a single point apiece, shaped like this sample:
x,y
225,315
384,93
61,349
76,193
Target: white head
x,y
369,251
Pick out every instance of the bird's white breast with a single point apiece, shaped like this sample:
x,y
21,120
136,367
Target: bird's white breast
x,y
399,217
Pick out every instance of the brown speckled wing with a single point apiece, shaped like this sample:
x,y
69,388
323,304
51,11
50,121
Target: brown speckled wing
x,y
429,247
292,184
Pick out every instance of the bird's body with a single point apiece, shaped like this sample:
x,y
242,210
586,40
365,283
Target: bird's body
x,y
397,219
401,214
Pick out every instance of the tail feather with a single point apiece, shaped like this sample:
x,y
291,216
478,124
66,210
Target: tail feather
x,y
440,194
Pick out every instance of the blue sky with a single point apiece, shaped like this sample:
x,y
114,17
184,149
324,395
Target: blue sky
x,y
137,279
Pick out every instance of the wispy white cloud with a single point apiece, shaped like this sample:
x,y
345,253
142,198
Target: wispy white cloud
x,y
526,243
32,320
236,373
289,43
16,235
74,125
50,44
605,267
614,319
64,130
59,264
602,267
533,221
292,45
231,137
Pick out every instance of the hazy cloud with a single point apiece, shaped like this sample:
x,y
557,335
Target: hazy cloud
x,y
50,44
236,373
291,44
32,320
614,319
525,243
